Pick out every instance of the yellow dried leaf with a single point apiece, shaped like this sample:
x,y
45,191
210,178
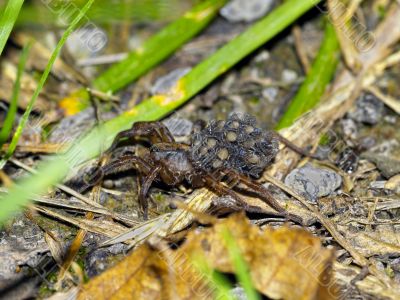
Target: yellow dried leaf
x,y
148,274
285,263
74,103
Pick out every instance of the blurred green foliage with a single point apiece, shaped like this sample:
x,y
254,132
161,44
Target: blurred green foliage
x,y
51,12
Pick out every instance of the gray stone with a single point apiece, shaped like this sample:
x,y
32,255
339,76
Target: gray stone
x,y
270,93
22,244
387,147
166,82
86,42
100,259
238,293
388,166
288,76
70,128
246,10
395,265
368,110
312,182
349,128
377,184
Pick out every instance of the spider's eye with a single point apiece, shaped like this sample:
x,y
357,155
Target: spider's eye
x,y
231,136
253,159
223,154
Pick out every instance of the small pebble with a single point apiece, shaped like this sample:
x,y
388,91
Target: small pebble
x,y
86,42
97,261
387,147
313,182
366,143
388,166
349,128
246,10
368,110
377,185
166,82
262,56
70,128
393,184
238,293
390,119
270,93
21,244
288,75
395,265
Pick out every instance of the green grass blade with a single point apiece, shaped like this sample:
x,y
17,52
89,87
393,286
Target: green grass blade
x,y
154,50
8,19
9,121
158,47
241,269
157,106
217,281
43,78
104,12
313,87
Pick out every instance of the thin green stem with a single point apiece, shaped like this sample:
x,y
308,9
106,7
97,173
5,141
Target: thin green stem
x,y
241,269
43,78
217,281
7,21
314,85
12,110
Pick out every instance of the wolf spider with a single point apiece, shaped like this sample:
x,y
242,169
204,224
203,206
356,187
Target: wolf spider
x,y
233,152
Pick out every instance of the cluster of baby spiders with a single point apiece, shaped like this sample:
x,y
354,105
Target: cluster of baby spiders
x,y
234,150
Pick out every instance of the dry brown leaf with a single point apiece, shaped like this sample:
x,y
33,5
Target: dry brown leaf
x,y
370,287
381,240
40,55
8,74
285,263
147,274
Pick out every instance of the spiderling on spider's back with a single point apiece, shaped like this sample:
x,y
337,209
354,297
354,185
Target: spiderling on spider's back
x,y
234,144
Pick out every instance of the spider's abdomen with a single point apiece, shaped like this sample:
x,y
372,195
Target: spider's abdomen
x,y
234,144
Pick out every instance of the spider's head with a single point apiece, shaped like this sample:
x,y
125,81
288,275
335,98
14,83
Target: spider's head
x,y
234,144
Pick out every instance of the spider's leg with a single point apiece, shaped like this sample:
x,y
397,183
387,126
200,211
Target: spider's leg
x,y
221,190
155,132
144,189
94,179
123,163
123,134
292,146
264,195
